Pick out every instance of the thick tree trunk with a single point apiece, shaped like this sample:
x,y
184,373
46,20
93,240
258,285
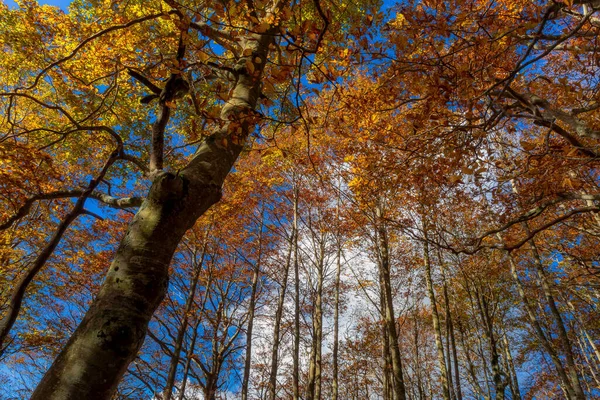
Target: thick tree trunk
x,y
113,330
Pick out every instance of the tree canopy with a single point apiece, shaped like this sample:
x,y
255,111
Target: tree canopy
x,y
316,199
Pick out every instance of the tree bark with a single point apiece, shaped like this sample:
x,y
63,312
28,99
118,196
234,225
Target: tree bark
x,y
533,320
565,342
390,320
436,322
336,304
336,322
514,379
113,330
279,313
488,329
314,372
296,355
181,332
251,309
458,390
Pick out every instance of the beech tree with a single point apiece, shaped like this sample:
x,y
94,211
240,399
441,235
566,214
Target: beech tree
x,y
310,199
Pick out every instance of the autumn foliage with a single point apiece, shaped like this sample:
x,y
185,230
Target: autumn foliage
x,y
317,199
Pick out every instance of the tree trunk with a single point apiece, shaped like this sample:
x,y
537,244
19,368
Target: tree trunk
x,y
279,312
314,372
390,320
188,361
565,342
570,393
251,309
336,305
436,322
296,355
336,322
191,349
458,391
113,330
488,329
514,379
184,324
420,390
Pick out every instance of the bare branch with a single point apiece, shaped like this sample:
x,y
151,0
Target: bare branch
x,y
116,202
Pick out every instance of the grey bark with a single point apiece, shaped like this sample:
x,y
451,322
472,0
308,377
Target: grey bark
x,y
296,351
280,306
533,320
182,329
251,310
390,320
450,321
113,330
565,342
436,322
514,379
314,371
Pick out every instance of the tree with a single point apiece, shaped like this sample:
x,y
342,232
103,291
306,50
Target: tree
x,y
315,198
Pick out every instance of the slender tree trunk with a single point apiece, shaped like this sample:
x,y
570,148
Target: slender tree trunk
x,y
588,363
585,332
565,342
488,329
420,390
181,332
296,355
251,309
436,322
113,330
314,372
279,313
575,389
192,347
188,361
470,366
566,383
388,380
336,315
458,391
384,270
514,379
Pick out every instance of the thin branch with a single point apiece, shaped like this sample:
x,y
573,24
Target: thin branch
x,y
20,287
116,202
89,39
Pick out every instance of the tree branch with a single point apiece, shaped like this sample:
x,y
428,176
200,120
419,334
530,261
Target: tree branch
x,y
124,202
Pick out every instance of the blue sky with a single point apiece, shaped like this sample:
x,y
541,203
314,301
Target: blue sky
x,y
60,3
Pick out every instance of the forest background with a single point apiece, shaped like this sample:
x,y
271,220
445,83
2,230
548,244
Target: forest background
x,y
316,199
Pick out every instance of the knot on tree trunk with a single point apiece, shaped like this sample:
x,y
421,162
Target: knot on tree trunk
x,y
167,187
